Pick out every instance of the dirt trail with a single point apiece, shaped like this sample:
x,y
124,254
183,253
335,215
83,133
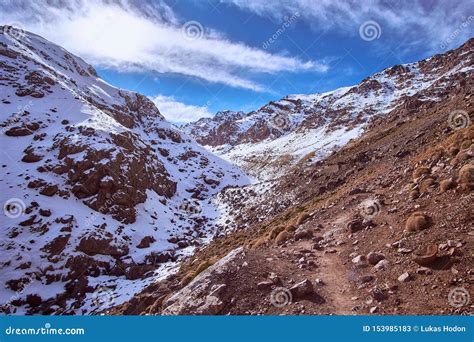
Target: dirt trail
x,y
338,288
333,270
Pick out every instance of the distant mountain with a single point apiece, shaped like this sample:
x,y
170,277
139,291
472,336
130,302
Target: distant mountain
x,y
268,141
99,190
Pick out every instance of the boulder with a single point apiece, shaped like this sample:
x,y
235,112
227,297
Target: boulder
x,y
382,264
302,289
302,234
373,258
201,296
404,277
93,245
49,190
426,255
146,242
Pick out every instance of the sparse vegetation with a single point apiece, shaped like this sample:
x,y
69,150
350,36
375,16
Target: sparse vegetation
x,y
420,171
417,221
446,184
282,237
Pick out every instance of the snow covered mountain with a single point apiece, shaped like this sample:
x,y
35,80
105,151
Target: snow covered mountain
x,y
98,189
302,128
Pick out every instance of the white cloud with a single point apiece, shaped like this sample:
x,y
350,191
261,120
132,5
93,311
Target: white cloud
x,y
429,24
178,112
146,36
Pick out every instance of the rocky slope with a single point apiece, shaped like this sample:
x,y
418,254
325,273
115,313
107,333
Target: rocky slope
x,y
286,136
100,193
383,225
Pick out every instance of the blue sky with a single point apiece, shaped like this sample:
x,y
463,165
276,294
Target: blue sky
x,y
195,58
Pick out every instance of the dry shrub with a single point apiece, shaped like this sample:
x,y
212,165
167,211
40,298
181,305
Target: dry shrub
x,y
466,144
466,177
259,242
420,171
275,231
302,218
414,194
416,222
186,279
202,266
446,184
453,151
282,237
426,184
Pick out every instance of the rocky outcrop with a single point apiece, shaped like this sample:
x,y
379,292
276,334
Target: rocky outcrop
x,y
202,296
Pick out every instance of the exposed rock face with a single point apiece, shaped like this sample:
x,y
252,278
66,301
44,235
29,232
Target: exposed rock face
x,y
112,186
105,181
201,296
93,245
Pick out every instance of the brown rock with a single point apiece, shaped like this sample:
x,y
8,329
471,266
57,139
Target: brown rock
x,y
28,222
95,245
373,258
57,245
378,294
34,300
49,190
426,255
264,285
302,234
24,130
302,289
138,271
146,242
31,158
45,212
